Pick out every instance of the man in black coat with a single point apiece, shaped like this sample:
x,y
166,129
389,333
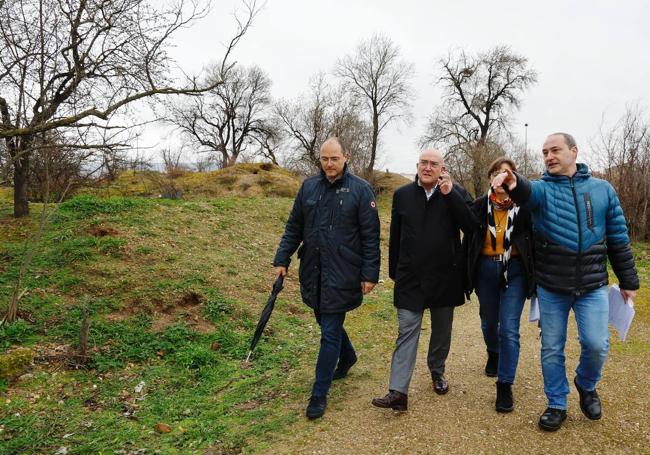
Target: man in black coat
x,y
427,263
335,218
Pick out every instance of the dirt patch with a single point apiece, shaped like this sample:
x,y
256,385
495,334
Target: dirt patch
x,y
191,316
103,231
186,308
254,404
189,299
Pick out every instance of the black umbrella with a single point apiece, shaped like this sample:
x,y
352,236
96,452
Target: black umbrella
x,y
266,314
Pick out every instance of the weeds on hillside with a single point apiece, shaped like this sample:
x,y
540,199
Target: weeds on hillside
x,y
163,293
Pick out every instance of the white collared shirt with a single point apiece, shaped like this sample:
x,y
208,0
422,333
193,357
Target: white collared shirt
x,y
428,193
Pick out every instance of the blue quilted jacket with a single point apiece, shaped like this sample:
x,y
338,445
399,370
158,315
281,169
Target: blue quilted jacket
x,y
578,223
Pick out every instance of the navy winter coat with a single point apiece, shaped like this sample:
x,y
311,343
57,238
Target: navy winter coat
x,y
578,223
338,226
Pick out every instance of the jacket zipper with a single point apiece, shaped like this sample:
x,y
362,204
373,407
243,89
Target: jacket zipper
x,y
579,258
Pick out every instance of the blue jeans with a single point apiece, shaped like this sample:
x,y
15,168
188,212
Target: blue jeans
x,y
591,312
335,346
500,310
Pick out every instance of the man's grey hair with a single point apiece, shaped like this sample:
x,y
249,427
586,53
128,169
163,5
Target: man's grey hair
x,y
568,139
344,148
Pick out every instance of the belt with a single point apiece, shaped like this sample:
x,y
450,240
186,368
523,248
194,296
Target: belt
x,y
496,258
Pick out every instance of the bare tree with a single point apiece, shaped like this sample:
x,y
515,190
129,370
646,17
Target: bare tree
x,y
70,65
529,163
269,138
480,93
381,80
624,151
305,122
325,111
204,162
55,170
138,162
172,161
5,165
226,120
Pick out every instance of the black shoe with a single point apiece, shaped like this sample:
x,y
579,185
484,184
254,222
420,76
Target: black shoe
x,y
492,365
552,419
342,369
504,397
589,402
440,385
316,407
393,400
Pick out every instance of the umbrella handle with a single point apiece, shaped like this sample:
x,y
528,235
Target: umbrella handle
x,y
278,284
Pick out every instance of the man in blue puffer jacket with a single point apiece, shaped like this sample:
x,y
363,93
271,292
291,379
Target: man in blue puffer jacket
x,y
578,223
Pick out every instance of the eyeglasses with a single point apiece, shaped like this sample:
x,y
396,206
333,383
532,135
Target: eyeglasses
x,y
333,159
426,163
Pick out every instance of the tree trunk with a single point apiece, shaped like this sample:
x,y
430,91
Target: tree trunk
x,y
373,149
21,182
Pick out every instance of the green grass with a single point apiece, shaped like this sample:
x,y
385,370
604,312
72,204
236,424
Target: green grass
x,y
172,290
173,293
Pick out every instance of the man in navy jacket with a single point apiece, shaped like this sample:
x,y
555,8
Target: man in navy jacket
x,y
578,224
335,222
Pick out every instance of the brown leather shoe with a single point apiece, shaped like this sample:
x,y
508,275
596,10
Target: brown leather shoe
x,y
440,385
393,400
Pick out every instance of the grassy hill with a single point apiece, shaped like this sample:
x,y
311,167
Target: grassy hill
x,y
172,289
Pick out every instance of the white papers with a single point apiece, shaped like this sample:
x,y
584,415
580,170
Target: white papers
x,y
621,312
534,310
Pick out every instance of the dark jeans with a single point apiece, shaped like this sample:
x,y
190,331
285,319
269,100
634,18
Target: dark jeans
x,y
500,310
335,346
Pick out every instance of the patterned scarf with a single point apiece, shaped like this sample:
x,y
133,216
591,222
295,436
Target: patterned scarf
x,y
512,209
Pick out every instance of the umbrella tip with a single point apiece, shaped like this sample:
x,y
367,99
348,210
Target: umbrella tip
x,y
248,357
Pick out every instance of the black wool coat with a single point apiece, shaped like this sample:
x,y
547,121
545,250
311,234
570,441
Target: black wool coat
x,y
522,239
336,226
426,260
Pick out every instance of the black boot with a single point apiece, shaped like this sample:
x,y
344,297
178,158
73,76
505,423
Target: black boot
x,y
552,419
589,402
492,365
342,369
316,407
504,397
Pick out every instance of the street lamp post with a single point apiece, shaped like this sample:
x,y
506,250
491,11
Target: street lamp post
x,y
526,137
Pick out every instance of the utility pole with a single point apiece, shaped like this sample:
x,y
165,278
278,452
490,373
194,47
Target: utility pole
x,y
526,137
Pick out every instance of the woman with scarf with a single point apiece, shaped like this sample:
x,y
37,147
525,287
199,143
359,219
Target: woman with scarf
x,y
500,270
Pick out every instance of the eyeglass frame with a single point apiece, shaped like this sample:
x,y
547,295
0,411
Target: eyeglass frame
x,y
428,163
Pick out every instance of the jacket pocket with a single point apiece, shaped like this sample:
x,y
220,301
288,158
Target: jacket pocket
x,y
309,211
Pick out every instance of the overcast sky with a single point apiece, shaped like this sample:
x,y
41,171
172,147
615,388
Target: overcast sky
x,y
592,58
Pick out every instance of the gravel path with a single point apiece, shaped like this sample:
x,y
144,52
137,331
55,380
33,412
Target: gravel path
x,y
464,420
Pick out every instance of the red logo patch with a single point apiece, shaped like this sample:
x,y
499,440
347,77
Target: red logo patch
x,y
373,204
